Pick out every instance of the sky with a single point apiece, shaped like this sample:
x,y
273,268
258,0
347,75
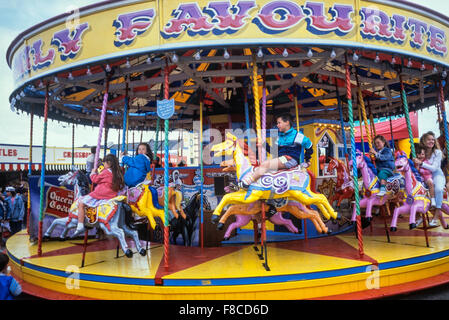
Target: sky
x,y
18,15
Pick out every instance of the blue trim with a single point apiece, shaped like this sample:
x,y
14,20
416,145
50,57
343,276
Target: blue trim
x,y
239,281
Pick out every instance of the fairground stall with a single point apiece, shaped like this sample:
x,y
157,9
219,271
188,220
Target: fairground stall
x,y
230,67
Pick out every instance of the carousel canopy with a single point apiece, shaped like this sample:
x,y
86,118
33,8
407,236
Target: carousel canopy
x,y
209,51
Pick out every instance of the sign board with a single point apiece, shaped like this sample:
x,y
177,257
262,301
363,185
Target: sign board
x,y
165,109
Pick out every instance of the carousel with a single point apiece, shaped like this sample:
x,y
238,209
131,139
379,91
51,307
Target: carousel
x,y
222,71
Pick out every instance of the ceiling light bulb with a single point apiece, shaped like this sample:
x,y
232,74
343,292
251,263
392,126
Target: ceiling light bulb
x,y
310,53
56,80
333,54
435,70
393,60
108,68
260,53
377,59
444,74
175,58
409,64
197,55
285,53
355,57
89,73
128,65
423,67
226,54
149,60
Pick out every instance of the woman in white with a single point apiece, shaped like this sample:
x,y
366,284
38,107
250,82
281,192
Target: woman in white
x,y
434,157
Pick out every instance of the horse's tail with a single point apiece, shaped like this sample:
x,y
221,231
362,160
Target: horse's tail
x,y
178,199
312,181
129,219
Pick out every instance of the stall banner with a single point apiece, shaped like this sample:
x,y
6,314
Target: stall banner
x,y
133,27
54,155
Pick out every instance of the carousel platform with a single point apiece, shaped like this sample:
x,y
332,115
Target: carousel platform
x,y
321,268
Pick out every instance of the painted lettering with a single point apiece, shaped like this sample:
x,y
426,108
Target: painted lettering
x,y
187,17
418,28
229,18
39,60
278,16
130,25
69,42
8,152
318,23
437,40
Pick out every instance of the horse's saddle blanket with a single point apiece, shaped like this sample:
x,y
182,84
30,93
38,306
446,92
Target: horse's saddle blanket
x,y
395,183
103,212
281,181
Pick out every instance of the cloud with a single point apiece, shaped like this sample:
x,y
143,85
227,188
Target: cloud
x,y
16,17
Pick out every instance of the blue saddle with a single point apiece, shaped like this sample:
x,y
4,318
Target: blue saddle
x,y
154,196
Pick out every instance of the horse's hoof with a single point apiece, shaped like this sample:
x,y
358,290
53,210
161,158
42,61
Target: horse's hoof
x,y
45,238
351,222
214,219
143,252
226,239
369,219
329,231
412,226
129,253
220,226
393,229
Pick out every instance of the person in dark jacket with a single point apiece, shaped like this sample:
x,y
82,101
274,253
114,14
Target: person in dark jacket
x,y
384,161
17,210
290,145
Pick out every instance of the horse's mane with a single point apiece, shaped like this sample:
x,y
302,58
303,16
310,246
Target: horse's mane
x,y
247,151
413,168
370,164
83,183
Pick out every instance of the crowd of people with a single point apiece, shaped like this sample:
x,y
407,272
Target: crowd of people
x,y
13,206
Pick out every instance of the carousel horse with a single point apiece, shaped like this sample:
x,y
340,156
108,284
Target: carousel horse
x,y
192,208
293,184
147,201
113,216
244,213
371,185
345,184
417,198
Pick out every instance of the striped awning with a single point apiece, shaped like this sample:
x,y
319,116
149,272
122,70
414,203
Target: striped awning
x,y
36,167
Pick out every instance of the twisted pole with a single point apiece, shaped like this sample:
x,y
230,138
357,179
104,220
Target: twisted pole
x,y
443,114
407,117
42,186
201,169
166,172
354,160
125,120
259,143
30,170
102,121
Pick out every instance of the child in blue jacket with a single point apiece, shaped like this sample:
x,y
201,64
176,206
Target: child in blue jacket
x,y
290,145
139,165
384,161
9,287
